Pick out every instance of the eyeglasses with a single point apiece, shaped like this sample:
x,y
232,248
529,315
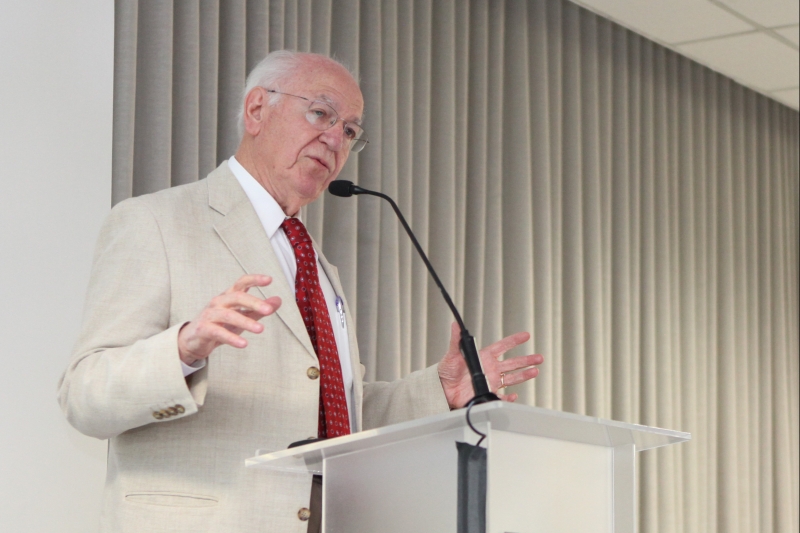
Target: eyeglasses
x,y
323,117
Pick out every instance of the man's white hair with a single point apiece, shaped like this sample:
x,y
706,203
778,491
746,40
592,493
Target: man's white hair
x,y
271,71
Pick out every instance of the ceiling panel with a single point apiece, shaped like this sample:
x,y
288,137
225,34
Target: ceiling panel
x,y
755,59
790,97
768,13
670,21
792,33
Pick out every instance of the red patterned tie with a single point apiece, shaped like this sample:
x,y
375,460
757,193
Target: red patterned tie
x,y
333,418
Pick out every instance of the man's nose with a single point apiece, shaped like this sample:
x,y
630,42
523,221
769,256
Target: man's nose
x,y
334,136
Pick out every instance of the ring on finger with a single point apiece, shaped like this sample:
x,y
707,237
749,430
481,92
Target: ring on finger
x,y
502,380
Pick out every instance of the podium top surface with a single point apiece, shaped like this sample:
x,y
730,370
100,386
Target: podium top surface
x,y
500,416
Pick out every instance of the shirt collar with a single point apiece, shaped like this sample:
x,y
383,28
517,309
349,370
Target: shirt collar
x,y
268,210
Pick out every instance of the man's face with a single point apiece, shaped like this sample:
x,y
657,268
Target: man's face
x,y
296,161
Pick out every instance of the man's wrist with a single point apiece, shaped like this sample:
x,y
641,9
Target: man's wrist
x,y
449,395
187,360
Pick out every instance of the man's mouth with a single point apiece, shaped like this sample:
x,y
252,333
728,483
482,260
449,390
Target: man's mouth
x,y
321,162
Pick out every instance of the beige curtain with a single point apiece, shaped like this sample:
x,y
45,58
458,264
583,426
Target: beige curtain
x,y
635,211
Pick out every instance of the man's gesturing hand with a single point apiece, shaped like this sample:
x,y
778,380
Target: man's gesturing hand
x,y
225,317
457,382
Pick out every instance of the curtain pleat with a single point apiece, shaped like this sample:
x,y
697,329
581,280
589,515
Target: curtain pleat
x,y
208,86
439,189
404,152
541,214
185,93
687,347
126,24
635,211
555,87
516,215
152,138
231,73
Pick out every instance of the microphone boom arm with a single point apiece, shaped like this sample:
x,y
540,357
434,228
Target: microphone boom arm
x,y
467,343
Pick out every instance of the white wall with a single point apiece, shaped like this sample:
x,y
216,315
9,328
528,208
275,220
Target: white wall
x,y
56,81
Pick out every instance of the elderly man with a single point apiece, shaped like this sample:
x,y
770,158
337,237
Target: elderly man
x,y
187,378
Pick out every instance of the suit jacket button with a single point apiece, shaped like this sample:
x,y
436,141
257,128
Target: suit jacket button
x,y
164,413
312,372
180,409
172,411
304,514
157,415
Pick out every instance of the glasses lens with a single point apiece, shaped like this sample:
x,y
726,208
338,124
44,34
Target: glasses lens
x,y
356,145
352,131
321,115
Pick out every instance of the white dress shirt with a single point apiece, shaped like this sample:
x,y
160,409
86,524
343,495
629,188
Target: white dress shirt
x,y
272,216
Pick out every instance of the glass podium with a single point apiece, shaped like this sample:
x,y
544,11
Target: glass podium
x,y
547,471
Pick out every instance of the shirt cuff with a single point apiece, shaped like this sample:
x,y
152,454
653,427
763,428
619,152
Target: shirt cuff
x,y
194,367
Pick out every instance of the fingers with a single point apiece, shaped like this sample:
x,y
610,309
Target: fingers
x,y
455,338
211,334
239,311
274,302
500,347
242,301
515,378
517,363
518,370
232,320
508,397
227,315
250,280
514,371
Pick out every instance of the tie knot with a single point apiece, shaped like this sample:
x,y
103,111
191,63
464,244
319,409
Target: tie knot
x,y
295,231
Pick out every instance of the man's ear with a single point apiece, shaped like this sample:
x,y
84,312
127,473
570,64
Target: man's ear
x,y
255,110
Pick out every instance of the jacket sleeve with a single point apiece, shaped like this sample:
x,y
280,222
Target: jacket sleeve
x,y
125,371
417,395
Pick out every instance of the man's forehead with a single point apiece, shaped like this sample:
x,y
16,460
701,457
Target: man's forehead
x,y
330,82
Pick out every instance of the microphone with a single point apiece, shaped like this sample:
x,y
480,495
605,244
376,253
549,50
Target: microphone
x,y
344,188
483,394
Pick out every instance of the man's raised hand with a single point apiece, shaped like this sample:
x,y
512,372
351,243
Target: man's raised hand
x,y
225,317
457,382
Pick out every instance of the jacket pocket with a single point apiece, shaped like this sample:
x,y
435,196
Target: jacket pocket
x,y
171,499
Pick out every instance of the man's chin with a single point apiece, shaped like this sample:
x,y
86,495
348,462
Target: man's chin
x,y
309,194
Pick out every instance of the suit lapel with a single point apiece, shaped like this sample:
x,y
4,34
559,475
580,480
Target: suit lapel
x,y
240,229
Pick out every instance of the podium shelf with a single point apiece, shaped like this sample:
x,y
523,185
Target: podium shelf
x,y
501,416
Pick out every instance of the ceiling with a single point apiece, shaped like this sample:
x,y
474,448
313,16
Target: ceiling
x,y
754,42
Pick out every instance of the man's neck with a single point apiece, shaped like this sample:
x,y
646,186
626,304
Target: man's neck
x,y
248,163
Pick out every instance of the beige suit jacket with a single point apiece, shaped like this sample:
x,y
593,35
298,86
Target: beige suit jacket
x,y
177,445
